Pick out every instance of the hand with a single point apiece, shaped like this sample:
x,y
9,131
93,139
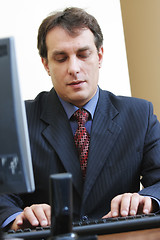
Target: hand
x,y
33,216
129,204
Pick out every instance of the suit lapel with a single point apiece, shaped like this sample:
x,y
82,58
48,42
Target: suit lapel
x,y
59,134
103,136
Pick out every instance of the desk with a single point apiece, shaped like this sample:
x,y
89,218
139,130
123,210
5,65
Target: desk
x,y
149,234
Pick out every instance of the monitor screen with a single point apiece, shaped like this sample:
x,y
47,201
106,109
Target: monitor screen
x,y
16,172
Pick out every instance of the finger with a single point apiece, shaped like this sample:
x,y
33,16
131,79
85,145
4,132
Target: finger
x,y
41,212
147,201
48,214
47,211
30,216
135,204
18,222
115,205
125,204
19,219
108,215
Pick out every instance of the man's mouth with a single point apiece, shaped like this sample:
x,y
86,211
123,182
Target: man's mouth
x,y
77,82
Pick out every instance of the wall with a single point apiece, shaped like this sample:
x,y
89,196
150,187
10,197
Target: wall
x,y
21,19
141,19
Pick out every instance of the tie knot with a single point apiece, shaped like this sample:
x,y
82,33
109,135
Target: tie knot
x,y
81,115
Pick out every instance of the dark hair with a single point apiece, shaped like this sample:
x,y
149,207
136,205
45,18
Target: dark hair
x,y
72,20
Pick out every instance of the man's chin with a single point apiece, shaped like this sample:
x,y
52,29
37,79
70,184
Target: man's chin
x,y
79,102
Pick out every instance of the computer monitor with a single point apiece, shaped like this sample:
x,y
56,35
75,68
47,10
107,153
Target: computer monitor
x,y
16,172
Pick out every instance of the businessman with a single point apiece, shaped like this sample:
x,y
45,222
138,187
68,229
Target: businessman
x,y
108,143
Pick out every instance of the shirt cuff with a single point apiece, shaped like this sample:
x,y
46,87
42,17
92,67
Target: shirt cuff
x,y
157,203
10,219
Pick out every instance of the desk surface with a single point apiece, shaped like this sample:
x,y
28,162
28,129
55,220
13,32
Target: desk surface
x,y
149,234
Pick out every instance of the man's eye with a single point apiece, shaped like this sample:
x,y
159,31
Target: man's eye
x,y
83,56
60,59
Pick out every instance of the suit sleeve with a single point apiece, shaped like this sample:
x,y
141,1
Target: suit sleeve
x,y
9,205
151,157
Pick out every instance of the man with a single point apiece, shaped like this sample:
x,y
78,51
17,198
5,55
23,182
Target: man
x,y
123,133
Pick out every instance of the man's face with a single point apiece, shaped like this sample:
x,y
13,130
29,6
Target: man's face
x,y
73,64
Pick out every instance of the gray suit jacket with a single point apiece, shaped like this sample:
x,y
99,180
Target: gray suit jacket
x,y
124,147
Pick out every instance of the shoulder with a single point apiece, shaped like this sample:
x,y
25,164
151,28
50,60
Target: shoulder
x,y
39,103
125,103
39,99
132,113
34,108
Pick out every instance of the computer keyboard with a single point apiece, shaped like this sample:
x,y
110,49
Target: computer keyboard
x,y
98,227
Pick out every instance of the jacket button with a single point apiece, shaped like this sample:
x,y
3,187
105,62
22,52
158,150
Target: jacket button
x,y
84,218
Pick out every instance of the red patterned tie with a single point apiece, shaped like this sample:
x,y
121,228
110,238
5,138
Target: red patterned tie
x,y
82,138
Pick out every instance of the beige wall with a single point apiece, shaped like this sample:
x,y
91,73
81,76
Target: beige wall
x,y
141,20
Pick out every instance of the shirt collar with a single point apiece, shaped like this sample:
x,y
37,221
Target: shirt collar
x,y
90,106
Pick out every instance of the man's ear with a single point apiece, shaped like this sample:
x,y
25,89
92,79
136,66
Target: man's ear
x,y
45,64
100,55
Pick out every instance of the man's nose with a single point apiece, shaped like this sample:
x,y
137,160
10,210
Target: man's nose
x,y
73,67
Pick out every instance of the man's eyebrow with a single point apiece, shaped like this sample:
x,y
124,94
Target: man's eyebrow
x,y
83,49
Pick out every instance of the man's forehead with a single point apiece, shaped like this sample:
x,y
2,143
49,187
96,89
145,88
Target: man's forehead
x,y
72,32
60,40
58,32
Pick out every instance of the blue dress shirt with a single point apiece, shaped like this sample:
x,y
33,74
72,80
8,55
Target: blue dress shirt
x,y
90,107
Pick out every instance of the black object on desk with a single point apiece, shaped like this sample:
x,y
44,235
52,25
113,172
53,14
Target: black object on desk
x,y
62,209
61,206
